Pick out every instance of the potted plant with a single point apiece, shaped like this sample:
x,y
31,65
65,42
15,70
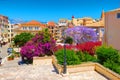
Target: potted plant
x,y
11,57
17,54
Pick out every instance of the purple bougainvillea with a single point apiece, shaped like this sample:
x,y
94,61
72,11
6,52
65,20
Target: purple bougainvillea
x,y
81,34
40,45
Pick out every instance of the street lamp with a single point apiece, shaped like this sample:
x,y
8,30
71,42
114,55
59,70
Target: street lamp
x,y
65,62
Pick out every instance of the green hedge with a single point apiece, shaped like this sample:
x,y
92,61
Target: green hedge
x,y
109,57
104,53
112,65
72,58
85,56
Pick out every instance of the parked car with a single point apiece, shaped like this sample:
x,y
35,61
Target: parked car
x,y
9,50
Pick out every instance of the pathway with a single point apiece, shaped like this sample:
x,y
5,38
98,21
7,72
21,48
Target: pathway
x,y
12,71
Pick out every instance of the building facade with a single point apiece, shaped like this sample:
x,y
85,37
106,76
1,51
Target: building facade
x,y
97,25
31,27
3,28
112,28
52,26
62,25
11,33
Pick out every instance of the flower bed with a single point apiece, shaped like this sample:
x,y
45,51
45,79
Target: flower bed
x,y
89,66
90,51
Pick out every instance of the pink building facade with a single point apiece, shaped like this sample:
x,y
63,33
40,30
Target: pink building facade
x,y
112,28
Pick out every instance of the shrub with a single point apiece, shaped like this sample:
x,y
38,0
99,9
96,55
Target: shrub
x,y
88,47
85,56
69,40
71,57
112,65
105,53
22,38
41,44
11,56
58,47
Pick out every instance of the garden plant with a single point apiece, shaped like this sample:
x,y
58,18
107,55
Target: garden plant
x,y
40,45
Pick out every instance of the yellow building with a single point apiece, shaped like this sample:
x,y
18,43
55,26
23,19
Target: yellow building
x,y
82,21
88,21
32,27
112,28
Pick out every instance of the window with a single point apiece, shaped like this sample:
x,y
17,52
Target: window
x,y
36,28
11,34
30,28
11,30
11,26
118,15
24,28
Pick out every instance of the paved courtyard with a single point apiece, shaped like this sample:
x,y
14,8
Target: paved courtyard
x,y
12,71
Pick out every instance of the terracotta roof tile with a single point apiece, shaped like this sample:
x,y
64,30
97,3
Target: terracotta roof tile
x,y
51,23
33,23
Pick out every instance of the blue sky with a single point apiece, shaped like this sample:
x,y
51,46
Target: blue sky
x,y
52,10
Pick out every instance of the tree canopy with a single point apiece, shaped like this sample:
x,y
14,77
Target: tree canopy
x,y
22,38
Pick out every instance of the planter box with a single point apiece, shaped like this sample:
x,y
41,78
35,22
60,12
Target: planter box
x,y
9,59
107,72
58,67
87,66
42,60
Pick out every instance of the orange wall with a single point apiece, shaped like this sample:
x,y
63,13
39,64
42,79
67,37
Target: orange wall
x,y
112,29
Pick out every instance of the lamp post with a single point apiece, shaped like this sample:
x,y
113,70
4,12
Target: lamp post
x,y
65,62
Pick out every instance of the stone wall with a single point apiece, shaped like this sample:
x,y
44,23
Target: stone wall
x,y
42,60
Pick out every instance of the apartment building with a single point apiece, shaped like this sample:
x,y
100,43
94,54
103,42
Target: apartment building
x,y
62,25
112,28
52,26
11,33
3,28
32,27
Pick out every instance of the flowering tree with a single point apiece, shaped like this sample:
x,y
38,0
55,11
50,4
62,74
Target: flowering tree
x,y
40,45
81,34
